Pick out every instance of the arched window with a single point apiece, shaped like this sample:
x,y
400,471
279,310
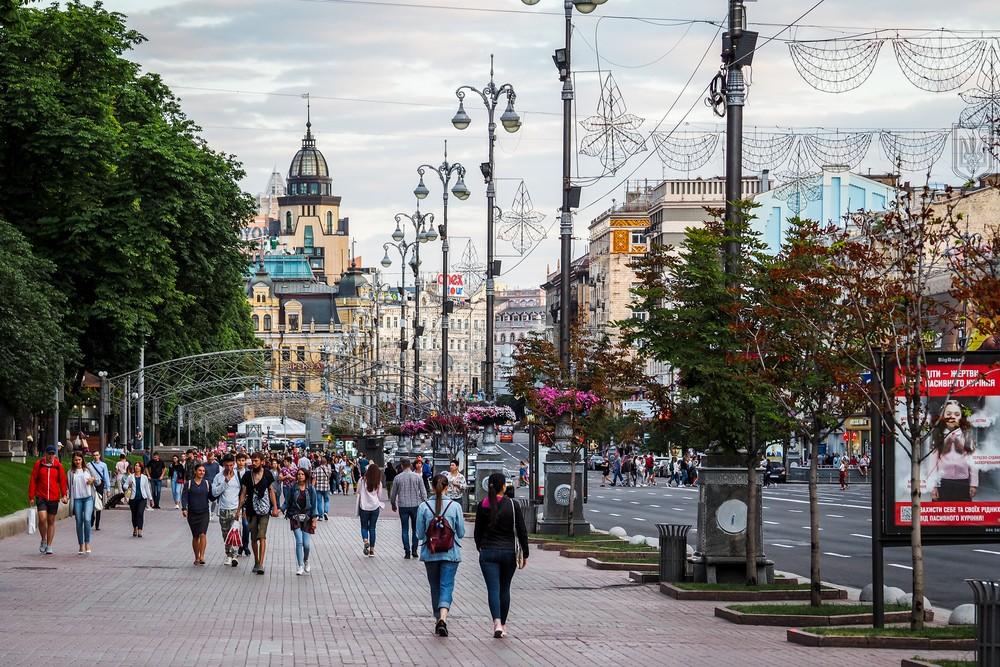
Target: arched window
x,y
256,323
267,323
288,222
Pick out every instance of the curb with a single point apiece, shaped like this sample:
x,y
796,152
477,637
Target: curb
x,y
786,620
912,643
778,595
622,567
17,523
574,553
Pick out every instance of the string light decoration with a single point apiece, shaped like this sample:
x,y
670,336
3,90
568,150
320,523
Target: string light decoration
x,y
685,151
612,135
938,67
982,112
837,152
472,269
835,66
913,151
802,185
766,150
522,224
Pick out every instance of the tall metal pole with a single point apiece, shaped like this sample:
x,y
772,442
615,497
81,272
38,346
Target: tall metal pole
x,y
402,341
491,194
416,320
735,99
141,388
566,217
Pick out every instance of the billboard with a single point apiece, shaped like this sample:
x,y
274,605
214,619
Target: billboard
x,y
959,453
456,284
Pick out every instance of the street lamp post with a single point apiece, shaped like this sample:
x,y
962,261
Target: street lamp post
x,y
558,472
444,173
491,95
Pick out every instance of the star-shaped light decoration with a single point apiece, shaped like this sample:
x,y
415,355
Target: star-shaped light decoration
x,y
801,185
982,111
473,271
522,224
611,132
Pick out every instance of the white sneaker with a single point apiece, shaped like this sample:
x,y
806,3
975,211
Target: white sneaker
x,y
307,568
299,571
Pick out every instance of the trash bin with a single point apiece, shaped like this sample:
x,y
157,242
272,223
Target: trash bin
x,y
987,599
673,550
530,514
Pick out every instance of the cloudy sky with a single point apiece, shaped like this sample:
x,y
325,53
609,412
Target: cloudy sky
x,y
382,77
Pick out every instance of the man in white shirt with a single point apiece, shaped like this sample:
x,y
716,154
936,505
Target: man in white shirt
x,y
226,487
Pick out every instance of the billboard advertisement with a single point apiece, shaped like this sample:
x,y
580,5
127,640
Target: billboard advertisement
x,y
959,452
456,284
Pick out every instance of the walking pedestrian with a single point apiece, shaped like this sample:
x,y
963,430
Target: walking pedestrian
x,y
355,474
502,540
456,481
369,505
843,474
101,487
157,473
241,469
176,480
259,503
301,511
80,482
212,469
321,482
407,494
390,474
522,473
287,477
195,507
605,472
440,529
46,488
121,472
140,495
226,488
616,468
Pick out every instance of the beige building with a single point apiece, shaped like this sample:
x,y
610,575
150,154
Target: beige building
x,y
617,237
675,204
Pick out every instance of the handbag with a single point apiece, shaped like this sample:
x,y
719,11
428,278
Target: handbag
x,y
99,483
518,553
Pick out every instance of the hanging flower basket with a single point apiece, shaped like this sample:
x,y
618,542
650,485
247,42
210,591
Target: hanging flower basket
x,y
557,402
414,427
489,415
445,423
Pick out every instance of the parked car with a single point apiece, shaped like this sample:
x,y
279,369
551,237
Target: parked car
x,y
507,436
595,462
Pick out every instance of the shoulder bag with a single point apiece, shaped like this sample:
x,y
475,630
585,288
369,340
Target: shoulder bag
x,y
518,553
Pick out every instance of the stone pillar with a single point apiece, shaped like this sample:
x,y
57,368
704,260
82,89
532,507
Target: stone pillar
x,y
489,460
555,511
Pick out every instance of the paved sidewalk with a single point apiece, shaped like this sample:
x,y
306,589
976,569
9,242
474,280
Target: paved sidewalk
x,y
141,602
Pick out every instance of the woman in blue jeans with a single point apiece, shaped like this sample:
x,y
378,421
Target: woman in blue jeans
x,y
441,565
499,531
80,482
302,511
369,505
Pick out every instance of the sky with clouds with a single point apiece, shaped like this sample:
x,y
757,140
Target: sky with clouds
x,y
383,78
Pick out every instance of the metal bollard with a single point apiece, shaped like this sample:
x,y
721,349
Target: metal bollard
x,y
987,599
673,550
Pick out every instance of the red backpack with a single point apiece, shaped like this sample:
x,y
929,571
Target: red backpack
x,y
440,534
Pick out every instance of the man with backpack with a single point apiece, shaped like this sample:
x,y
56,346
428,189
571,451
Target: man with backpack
x,y
440,529
47,487
407,494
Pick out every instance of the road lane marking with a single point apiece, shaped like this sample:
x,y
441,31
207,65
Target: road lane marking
x,y
809,527
590,510
783,546
806,502
830,553
796,511
835,516
613,514
772,523
656,506
987,551
901,567
633,502
866,537
635,518
677,509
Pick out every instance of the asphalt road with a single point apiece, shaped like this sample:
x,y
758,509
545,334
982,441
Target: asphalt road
x,y
845,522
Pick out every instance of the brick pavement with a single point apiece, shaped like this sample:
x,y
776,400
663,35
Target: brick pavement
x,y
141,602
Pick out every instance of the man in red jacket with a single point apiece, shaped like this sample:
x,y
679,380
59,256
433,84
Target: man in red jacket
x,y
46,488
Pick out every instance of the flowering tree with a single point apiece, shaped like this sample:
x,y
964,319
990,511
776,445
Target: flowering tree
x,y
485,415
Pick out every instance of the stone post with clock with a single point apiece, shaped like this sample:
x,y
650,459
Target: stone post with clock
x,y
720,553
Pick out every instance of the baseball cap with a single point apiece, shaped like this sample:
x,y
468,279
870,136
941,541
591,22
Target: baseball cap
x,y
51,449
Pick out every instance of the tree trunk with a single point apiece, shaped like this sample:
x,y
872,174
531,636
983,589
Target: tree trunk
x,y
815,579
916,542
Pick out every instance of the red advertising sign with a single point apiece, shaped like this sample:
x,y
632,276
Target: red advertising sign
x,y
970,379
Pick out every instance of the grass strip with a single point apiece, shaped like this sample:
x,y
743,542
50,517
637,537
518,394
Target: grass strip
x,y
809,610
932,632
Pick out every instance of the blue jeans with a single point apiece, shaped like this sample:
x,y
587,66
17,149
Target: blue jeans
x,y
498,566
303,542
324,502
176,488
618,476
368,520
441,577
245,533
83,508
157,488
408,517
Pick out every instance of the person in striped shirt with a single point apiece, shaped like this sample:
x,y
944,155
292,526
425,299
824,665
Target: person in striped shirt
x,y
321,474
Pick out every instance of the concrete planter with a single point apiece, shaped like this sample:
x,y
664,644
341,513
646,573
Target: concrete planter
x,y
605,555
909,643
17,523
622,567
787,620
736,595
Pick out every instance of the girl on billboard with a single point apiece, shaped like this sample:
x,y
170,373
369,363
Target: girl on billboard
x,y
952,475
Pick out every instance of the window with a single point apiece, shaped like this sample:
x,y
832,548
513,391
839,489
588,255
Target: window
x,y
256,323
293,322
638,238
314,188
329,223
286,354
267,323
300,384
307,236
286,384
300,353
288,222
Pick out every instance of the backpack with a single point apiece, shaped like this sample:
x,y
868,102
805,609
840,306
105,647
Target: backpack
x,y
440,534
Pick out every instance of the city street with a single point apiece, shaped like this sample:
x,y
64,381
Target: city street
x,y
845,524
141,602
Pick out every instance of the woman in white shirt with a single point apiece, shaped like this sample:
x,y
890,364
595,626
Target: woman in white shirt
x,y
139,493
369,505
80,482
456,481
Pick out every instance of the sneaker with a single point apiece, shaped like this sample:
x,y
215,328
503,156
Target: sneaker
x,y
441,629
307,567
49,551
233,562
371,552
41,547
299,571
367,548
260,570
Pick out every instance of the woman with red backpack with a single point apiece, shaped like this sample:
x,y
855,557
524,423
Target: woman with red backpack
x,y
440,530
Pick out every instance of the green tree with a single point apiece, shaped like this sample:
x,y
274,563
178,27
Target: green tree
x,y
109,181
34,343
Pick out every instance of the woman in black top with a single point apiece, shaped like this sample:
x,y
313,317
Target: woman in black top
x,y
176,480
194,503
499,532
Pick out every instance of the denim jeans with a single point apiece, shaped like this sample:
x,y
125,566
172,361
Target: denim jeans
x,y
82,510
157,489
245,533
303,543
618,476
324,502
368,520
408,517
176,488
498,566
441,577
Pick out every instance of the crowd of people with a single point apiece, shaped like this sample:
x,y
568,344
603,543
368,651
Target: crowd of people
x,y
242,492
620,468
